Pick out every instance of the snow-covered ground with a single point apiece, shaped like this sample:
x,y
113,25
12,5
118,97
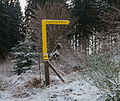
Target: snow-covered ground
x,y
73,90
27,88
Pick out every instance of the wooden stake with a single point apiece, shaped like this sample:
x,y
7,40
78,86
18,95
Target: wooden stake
x,y
47,81
52,67
62,73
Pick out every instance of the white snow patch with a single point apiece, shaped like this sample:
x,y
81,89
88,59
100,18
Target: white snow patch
x,y
75,89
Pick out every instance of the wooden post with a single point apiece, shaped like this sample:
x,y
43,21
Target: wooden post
x,y
47,81
52,67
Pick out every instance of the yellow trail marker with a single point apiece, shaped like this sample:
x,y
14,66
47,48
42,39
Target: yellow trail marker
x,y
44,34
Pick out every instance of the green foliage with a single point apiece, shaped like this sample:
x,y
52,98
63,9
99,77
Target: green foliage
x,y
103,70
92,15
10,25
24,57
86,12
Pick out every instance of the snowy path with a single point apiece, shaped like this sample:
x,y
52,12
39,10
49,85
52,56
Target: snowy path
x,y
75,89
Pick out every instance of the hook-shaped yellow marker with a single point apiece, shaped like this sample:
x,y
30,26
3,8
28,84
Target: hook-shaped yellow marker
x,y
44,34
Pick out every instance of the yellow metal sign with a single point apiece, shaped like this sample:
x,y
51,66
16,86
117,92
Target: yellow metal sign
x,y
44,35
57,22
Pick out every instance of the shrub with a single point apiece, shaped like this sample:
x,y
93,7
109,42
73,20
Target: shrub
x,y
105,72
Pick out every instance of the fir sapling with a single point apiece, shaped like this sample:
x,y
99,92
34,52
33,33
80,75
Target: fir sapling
x,y
23,57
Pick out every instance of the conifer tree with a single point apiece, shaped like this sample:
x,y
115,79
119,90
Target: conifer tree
x,y
24,56
86,12
10,25
4,38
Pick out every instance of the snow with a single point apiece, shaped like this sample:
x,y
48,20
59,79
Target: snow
x,y
21,88
75,91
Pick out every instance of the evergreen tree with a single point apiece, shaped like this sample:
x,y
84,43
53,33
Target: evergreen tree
x,y
10,25
89,14
15,21
4,38
24,57
86,12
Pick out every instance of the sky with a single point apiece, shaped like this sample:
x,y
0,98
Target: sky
x,y
23,4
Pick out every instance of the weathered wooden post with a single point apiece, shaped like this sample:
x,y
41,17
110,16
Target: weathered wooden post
x,y
44,44
47,80
45,55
